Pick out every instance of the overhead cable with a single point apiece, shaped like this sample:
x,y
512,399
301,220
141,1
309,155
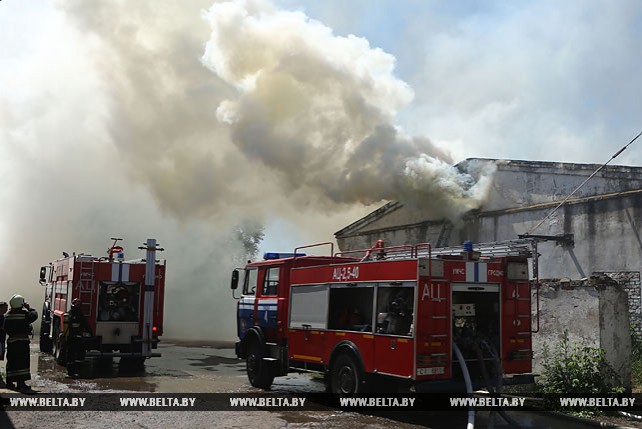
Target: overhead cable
x,y
583,183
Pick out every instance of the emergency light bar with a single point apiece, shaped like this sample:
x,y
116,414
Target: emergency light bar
x,y
277,255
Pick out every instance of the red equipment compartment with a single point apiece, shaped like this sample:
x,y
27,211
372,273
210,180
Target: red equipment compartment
x,y
433,330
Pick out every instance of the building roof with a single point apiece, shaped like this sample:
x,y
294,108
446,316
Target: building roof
x,y
517,185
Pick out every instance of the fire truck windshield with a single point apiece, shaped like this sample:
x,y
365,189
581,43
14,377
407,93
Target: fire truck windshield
x,y
250,281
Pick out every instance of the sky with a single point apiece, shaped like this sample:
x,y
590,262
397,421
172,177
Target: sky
x,y
201,123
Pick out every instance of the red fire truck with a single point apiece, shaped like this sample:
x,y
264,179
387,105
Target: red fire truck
x,y
390,317
121,300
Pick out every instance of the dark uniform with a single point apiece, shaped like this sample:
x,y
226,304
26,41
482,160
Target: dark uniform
x,y
3,335
17,325
77,325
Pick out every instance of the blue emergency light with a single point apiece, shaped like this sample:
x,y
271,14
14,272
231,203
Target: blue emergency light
x,y
277,255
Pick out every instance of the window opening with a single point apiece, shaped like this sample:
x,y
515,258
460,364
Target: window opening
x,y
351,308
271,282
395,306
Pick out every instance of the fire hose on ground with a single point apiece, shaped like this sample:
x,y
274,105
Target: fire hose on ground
x,y
493,389
469,386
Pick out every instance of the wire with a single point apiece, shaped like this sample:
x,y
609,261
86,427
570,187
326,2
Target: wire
x,y
583,183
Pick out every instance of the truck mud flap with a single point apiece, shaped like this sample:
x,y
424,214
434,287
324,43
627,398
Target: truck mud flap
x,y
277,358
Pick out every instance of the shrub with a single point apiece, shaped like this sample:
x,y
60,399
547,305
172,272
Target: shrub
x,y
571,369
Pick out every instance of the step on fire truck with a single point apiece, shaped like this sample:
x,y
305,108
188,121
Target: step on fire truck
x,y
388,317
122,302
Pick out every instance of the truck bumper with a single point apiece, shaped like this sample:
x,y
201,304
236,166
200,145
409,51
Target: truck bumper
x,y
447,386
96,348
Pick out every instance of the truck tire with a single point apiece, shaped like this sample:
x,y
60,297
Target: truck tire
x,y
46,345
346,377
259,374
58,347
60,351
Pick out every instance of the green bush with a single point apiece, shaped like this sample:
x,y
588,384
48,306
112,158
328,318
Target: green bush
x,y
636,362
571,369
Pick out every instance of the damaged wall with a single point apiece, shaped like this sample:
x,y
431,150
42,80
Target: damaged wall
x,y
594,312
630,282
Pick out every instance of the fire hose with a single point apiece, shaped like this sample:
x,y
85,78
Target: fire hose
x,y
496,388
469,386
493,388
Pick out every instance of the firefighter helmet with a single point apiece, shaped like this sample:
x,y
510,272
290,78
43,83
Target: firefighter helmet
x,y
16,301
76,301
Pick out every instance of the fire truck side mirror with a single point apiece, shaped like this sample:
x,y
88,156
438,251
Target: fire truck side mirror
x,y
43,275
235,280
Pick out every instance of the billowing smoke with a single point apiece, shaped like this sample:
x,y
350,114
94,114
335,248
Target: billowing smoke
x,y
319,110
142,119
109,130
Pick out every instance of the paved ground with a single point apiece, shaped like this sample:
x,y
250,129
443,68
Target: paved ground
x,y
209,368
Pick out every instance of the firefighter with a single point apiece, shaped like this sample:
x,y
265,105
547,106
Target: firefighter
x,y
17,324
398,319
3,335
77,325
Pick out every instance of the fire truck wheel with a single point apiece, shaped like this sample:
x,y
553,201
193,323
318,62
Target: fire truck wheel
x,y
346,378
46,345
60,351
257,372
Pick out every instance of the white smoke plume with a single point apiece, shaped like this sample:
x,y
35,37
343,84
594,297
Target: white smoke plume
x,y
142,119
108,130
319,110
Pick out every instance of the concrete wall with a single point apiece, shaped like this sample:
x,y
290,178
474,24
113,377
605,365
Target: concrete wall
x,y
573,308
615,337
630,282
525,183
593,312
606,235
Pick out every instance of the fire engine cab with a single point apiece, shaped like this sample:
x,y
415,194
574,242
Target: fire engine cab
x,y
122,301
386,317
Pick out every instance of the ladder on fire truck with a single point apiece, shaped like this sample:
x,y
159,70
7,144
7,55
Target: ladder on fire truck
x,y
86,283
519,247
